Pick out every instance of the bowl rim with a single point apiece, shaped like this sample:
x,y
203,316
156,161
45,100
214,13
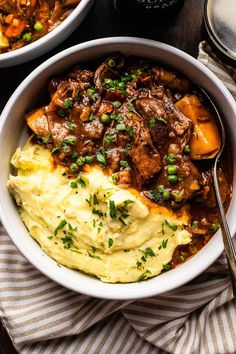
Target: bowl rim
x,y
104,291
48,37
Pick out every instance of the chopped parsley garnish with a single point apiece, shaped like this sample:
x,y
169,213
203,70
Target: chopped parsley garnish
x,y
60,226
172,227
93,256
110,242
47,138
55,149
74,184
152,122
67,241
114,179
122,221
113,209
65,148
98,212
71,228
79,181
149,252
161,120
130,131
144,275
138,264
95,199
121,127
124,163
68,103
100,156
76,251
61,112
70,141
109,139
164,243
71,126
187,149
181,258
79,95
166,266
128,201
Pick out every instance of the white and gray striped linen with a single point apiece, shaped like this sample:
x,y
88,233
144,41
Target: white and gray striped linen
x,y
43,317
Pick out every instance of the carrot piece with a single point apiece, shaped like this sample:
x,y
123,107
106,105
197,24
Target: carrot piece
x,y
9,18
16,28
205,141
38,123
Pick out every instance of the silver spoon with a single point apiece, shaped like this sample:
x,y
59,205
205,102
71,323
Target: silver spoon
x,y
226,236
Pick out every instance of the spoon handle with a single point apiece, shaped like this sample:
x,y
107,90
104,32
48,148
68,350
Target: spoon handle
x,y
227,239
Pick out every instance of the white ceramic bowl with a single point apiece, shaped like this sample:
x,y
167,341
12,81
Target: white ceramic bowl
x,y
50,40
12,135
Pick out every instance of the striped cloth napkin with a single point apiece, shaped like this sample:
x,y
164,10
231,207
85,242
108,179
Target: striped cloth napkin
x,y
43,317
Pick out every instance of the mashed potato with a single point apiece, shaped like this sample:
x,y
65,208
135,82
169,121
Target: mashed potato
x,y
91,224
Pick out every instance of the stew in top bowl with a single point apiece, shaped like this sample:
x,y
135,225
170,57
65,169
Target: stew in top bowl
x,y
24,21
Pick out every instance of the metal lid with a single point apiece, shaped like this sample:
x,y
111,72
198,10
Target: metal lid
x,y
220,21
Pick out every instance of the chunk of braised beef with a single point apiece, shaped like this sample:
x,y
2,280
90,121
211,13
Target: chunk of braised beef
x,y
167,125
108,69
142,152
114,156
175,189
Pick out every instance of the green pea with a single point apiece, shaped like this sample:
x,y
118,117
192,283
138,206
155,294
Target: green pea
x,y
172,170
124,163
91,91
187,149
116,82
170,158
172,179
111,63
160,189
68,103
214,227
105,118
117,104
80,161
73,167
38,26
89,159
74,155
121,85
166,195
26,37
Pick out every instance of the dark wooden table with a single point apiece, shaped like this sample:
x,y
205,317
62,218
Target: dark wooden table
x,y
184,32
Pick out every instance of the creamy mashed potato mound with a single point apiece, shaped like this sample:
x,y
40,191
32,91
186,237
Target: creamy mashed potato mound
x,y
91,224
